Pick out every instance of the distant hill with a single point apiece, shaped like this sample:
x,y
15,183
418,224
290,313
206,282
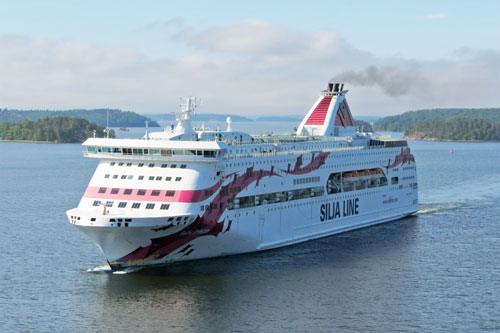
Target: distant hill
x,y
117,118
363,125
55,129
409,119
201,117
296,118
456,129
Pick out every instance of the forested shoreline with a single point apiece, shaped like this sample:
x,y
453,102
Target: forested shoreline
x,y
407,120
117,118
455,129
56,130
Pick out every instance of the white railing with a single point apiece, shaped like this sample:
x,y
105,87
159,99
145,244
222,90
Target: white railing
x,y
177,158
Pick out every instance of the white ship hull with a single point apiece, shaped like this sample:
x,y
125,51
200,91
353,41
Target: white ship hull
x,y
156,201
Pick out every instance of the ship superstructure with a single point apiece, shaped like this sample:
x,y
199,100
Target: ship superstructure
x,y
186,193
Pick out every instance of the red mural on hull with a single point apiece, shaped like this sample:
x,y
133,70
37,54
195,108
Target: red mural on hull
x,y
208,224
404,157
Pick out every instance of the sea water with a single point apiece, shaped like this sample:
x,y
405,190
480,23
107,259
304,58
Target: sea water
x,y
436,271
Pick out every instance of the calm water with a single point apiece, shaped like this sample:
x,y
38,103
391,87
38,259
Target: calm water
x,y
437,271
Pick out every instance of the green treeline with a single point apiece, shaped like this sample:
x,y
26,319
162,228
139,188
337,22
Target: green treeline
x,y
117,118
456,129
58,129
407,120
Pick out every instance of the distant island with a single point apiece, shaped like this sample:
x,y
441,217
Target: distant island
x,y
407,120
455,129
56,130
117,118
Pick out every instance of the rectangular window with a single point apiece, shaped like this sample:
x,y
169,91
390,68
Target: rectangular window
x,y
183,166
178,179
163,165
130,177
141,177
173,166
151,165
127,191
141,192
129,164
102,190
140,165
124,177
115,176
106,175
164,206
151,177
96,203
109,203
168,179
158,177
136,205
122,204
112,163
120,164
170,193
155,193
150,206
394,180
115,191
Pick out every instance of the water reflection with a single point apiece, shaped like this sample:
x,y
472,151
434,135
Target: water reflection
x,y
229,293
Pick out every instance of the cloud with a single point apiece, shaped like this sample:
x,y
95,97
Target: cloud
x,y
172,23
249,67
267,42
435,16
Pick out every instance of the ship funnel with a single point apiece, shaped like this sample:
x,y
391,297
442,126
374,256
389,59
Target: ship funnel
x,y
330,115
335,87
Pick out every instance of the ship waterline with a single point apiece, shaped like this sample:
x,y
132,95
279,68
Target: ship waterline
x,y
185,193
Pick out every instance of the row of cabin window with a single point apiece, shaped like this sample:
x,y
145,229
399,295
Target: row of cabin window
x,y
135,205
128,191
151,165
305,180
167,179
153,152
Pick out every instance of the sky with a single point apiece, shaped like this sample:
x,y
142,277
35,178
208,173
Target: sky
x,y
249,58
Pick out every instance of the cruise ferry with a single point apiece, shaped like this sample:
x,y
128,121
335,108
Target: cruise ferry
x,y
186,193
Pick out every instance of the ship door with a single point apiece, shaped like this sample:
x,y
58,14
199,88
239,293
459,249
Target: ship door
x,y
262,220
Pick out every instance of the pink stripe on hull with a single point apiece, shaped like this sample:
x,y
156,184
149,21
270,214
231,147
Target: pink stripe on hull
x,y
92,192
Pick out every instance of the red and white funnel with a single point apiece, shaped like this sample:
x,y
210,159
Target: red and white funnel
x,y
330,115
